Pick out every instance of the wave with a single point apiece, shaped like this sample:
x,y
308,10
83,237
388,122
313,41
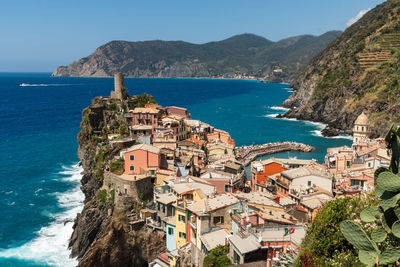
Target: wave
x,y
271,116
43,84
319,125
279,108
50,247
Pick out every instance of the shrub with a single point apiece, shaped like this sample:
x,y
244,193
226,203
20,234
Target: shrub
x,y
102,196
117,166
217,257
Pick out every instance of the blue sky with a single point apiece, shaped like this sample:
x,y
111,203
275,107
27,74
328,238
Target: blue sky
x,y
39,35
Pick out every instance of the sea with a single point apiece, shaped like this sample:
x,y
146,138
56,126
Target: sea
x,y
39,171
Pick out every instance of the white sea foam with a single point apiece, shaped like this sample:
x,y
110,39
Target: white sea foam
x,y
37,191
50,247
279,108
43,84
271,116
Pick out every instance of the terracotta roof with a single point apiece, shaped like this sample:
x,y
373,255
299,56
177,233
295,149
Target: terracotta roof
x,y
145,110
214,238
145,147
166,198
304,171
257,198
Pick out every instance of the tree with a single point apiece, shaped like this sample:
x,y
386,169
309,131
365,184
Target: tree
x,y
217,257
324,243
143,99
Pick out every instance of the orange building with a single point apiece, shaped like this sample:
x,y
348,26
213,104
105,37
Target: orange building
x,y
143,158
260,170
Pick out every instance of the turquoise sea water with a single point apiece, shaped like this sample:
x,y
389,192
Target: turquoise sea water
x,y
39,118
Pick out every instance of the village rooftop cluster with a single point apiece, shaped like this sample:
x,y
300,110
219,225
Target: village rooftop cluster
x,y
200,195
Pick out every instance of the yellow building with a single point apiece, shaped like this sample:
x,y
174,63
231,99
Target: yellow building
x,y
361,129
181,223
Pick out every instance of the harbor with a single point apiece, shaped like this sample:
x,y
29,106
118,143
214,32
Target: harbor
x,y
246,154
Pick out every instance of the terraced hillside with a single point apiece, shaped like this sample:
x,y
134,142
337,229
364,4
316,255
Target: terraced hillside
x,y
359,71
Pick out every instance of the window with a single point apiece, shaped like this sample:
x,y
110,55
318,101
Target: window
x,y
147,115
152,172
309,183
226,188
348,163
181,234
132,157
218,219
181,218
170,231
163,208
132,168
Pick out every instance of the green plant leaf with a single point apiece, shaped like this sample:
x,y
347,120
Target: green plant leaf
x,y
369,213
389,256
396,229
389,200
378,235
388,181
357,236
367,257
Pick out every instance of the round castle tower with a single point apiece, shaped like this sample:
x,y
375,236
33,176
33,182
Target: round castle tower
x,y
361,129
118,86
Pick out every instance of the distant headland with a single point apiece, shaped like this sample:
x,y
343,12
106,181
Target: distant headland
x,y
239,57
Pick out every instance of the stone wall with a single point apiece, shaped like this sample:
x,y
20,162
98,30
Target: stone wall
x,y
141,188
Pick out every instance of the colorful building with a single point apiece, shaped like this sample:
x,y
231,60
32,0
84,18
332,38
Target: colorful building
x,y
142,158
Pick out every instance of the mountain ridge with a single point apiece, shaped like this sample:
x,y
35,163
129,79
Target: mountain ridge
x,y
245,54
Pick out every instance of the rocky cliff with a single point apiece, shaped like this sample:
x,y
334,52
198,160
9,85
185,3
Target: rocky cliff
x,y
246,54
358,71
102,235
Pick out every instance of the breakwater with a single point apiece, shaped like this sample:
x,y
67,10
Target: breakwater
x,y
246,154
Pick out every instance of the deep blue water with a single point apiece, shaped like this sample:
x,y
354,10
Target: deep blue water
x,y
39,178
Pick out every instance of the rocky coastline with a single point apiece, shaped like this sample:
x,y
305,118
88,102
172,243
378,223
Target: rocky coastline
x,y
102,236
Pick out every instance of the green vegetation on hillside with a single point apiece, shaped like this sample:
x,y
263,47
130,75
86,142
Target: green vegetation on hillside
x,y
324,244
358,71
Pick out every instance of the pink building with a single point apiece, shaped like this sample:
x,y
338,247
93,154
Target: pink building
x,y
145,116
142,158
177,111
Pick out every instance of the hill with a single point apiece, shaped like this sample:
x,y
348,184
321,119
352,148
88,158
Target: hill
x,y
245,54
358,71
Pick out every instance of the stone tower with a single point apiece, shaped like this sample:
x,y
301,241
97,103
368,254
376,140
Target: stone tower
x,y
361,129
118,86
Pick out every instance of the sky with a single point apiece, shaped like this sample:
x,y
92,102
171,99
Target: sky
x,y
39,35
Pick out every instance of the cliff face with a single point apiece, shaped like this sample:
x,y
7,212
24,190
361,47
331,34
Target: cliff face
x,y
102,236
245,54
358,71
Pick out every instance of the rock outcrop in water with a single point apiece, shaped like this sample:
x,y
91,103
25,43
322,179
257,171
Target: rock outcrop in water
x,y
102,236
358,71
239,56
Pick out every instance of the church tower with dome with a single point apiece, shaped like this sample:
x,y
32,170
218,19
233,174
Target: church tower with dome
x,y
361,129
